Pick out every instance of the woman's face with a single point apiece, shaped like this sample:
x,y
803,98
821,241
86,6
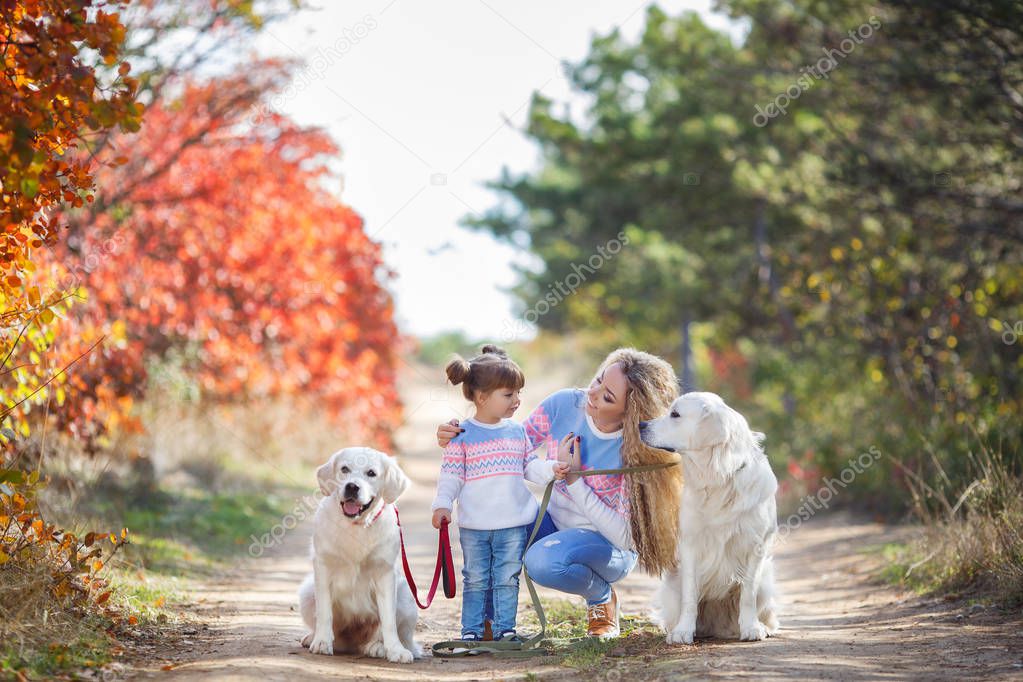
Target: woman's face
x,y
605,398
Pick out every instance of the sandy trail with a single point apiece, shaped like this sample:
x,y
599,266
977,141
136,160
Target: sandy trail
x,y
837,624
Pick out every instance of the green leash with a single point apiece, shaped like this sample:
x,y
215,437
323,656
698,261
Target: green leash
x,y
538,644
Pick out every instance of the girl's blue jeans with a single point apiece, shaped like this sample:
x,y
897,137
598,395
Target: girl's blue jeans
x,y
573,560
491,562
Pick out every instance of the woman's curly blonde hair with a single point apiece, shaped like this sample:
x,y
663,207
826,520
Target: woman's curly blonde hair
x,y
654,496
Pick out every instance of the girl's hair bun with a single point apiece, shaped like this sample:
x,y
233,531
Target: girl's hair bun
x,y
495,350
488,371
458,370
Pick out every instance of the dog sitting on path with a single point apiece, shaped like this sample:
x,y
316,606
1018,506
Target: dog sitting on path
x,y
724,583
356,600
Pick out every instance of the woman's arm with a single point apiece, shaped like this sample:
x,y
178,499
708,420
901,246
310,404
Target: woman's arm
x,y
538,423
447,431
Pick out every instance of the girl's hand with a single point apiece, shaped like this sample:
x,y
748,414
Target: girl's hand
x,y
560,471
445,432
440,515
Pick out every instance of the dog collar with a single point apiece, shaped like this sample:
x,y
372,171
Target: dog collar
x,y
376,516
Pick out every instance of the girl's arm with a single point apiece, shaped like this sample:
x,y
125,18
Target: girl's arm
x,y
452,477
612,523
543,470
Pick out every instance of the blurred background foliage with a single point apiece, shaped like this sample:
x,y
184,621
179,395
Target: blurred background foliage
x,y
846,272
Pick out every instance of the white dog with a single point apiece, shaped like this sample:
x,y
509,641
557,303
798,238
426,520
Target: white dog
x,y
357,600
724,583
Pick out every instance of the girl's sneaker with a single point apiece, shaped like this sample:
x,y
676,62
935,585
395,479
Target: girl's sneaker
x,y
508,636
470,637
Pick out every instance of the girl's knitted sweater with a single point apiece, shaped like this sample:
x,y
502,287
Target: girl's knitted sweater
x,y
484,469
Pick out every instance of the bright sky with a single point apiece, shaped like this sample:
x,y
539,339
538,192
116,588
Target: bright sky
x,y
426,100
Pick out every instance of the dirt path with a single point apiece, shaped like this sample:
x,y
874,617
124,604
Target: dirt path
x,y
836,623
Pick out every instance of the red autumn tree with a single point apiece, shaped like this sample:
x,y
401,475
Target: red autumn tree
x,y
224,239
63,86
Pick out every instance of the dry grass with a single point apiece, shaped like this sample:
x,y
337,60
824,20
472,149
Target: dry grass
x,y
972,541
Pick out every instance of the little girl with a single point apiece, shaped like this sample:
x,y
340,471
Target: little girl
x,y
484,470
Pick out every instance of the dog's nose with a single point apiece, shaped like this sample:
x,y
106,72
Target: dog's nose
x,y
351,490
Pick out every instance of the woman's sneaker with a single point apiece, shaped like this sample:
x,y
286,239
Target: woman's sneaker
x,y
603,619
470,637
508,636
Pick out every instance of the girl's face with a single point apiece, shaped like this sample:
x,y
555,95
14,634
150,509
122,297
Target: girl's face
x,y
605,398
500,403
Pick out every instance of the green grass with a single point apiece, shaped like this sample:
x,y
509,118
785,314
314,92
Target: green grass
x,y
566,623
192,531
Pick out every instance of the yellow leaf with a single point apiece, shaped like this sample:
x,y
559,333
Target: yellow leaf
x,y
97,565
4,557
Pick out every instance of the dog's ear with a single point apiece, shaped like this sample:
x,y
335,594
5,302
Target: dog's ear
x,y
395,482
326,475
724,431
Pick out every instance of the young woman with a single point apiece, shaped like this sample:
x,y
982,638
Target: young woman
x,y
598,527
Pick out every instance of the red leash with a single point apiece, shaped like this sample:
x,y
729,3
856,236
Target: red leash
x,y
445,567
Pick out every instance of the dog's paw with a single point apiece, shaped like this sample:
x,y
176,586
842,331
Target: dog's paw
x,y
753,633
307,640
416,649
399,654
681,635
321,645
376,649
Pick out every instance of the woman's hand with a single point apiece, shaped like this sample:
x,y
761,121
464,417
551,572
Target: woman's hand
x,y
568,454
441,515
445,432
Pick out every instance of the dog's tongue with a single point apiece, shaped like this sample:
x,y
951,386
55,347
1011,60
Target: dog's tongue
x,y
351,507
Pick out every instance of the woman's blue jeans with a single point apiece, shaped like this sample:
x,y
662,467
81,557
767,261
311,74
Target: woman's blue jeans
x,y
573,560
491,563
577,561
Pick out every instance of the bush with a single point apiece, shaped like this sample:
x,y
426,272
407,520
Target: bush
x,y
54,600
